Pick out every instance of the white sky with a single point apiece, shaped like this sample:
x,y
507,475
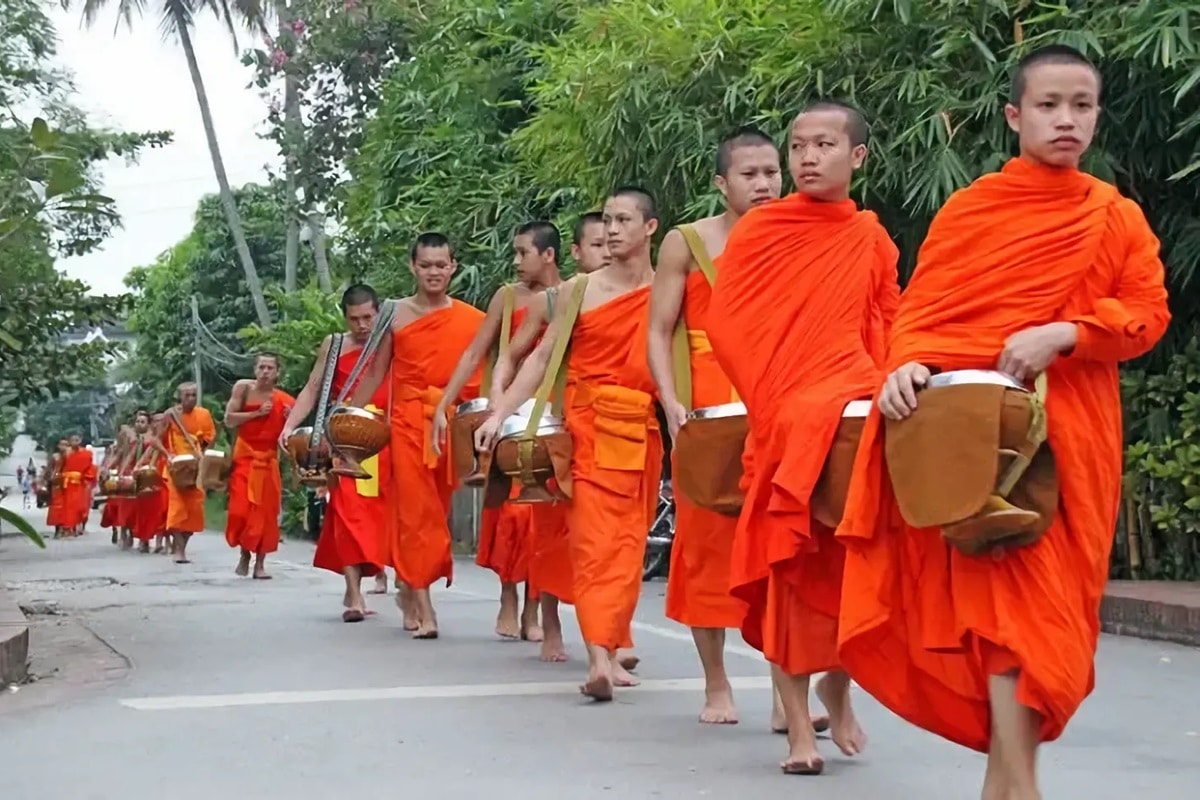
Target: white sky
x,y
135,81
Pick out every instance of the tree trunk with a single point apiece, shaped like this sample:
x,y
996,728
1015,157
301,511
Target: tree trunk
x,y
293,131
316,225
231,211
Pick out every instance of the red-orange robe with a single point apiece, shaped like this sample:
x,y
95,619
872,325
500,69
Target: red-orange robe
x,y
424,354
150,509
76,500
353,529
255,485
185,508
698,580
506,532
550,570
804,291
923,626
108,517
56,514
616,464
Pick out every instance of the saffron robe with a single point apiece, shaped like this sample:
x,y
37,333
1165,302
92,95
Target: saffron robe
x,y
923,626
56,514
698,580
255,485
77,466
185,508
353,529
424,354
616,464
804,292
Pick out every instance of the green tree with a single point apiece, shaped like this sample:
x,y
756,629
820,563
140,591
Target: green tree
x,y
76,412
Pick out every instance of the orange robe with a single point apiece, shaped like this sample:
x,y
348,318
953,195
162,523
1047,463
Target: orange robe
x,y
804,291
550,570
923,625
424,354
506,532
56,514
352,531
185,508
698,580
255,485
112,509
150,510
76,498
616,464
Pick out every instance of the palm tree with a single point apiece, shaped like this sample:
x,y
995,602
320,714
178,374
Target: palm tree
x,y
176,20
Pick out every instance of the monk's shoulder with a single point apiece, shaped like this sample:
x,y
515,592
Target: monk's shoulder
x,y
466,310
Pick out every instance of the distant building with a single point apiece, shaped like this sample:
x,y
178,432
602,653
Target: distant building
x,y
108,334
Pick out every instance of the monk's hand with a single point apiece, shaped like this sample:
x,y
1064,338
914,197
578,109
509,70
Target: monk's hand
x,y
284,435
898,397
676,416
1028,353
485,434
438,434
264,409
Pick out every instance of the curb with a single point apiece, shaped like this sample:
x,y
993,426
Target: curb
x,y
14,642
1162,612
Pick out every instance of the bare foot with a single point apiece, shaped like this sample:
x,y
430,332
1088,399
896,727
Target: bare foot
x,y
718,706
803,765
410,615
381,586
507,626
243,568
628,661
843,728
553,651
426,630
622,676
599,684
532,632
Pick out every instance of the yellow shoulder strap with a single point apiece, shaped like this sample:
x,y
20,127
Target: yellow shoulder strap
x,y
501,347
699,252
681,351
556,357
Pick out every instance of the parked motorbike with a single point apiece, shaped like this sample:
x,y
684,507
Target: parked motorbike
x,y
662,534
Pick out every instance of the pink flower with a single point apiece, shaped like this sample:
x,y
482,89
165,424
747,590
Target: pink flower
x,y
298,27
279,58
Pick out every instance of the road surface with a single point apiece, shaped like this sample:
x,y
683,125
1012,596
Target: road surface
x,y
188,683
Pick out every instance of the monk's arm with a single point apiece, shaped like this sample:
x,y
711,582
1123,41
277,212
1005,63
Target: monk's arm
x,y
888,291
1131,322
519,346
666,302
154,447
235,417
208,430
307,399
476,351
533,368
372,377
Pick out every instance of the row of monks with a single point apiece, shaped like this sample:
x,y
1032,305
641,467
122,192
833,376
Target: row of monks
x,y
70,479
791,307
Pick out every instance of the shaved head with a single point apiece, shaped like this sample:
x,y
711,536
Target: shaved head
x,y
1050,54
856,123
641,198
743,137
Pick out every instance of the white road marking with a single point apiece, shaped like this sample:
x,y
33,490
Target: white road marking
x,y
183,702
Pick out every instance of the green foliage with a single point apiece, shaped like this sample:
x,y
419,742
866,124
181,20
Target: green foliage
x,y
71,413
17,521
8,430
306,317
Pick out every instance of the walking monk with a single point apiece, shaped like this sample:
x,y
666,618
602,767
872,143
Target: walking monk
x,y
56,514
256,411
1039,268
352,540
698,595
77,467
113,458
617,448
148,514
506,534
805,290
122,466
550,561
189,430
430,330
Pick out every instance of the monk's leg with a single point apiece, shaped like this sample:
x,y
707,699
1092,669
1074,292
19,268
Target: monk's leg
x,y
352,597
531,631
181,542
260,567
507,623
427,626
995,779
406,603
834,692
553,649
778,718
126,538
1015,734
243,565
599,685
718,694
114,536
381,586
803,757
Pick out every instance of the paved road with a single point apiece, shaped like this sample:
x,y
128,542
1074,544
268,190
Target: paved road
x,y
187,682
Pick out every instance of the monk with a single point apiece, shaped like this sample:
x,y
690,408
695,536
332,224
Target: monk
x,y
430,330
77,466
615,476
113,456
805,290
352,542
550,561
189,431
506,533
150,515
1037,269
256,411
56,514
124,457
747,175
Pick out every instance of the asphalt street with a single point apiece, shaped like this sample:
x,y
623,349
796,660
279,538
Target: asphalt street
x,y
187,682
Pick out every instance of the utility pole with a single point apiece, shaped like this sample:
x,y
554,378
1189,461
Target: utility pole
x,y
196,363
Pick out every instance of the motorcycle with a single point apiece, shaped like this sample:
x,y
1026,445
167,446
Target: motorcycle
x,y
662,533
